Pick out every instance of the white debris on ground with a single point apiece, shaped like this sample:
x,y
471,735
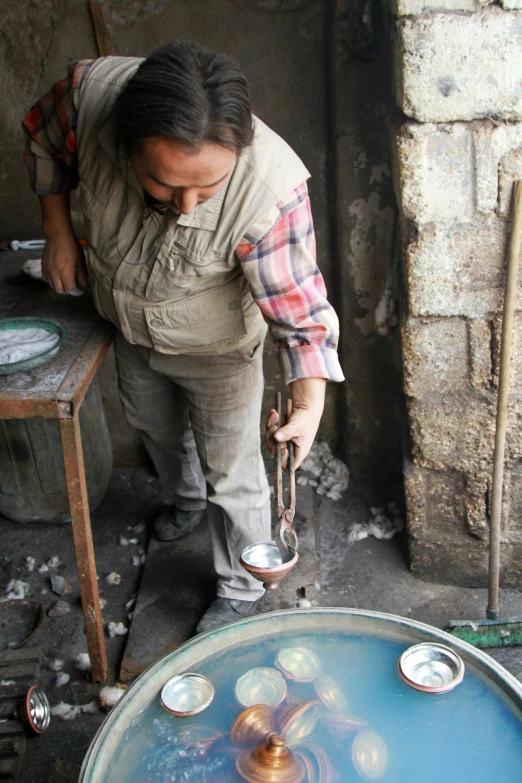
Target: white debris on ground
x,y
53,562
16,590
383,523
62,678
139,528
130,603
139,559
126,541
56,665
30,563
83,662
304,603
7,683
43,568
103,602
327,475
33,268
69,711
117,629
110,695
113,578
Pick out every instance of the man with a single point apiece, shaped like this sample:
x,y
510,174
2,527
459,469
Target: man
x,y
198,230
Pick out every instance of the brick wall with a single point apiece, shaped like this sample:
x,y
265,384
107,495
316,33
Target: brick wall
x,y
458,75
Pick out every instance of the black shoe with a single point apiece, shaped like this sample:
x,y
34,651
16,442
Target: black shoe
x,y
223,611
174,523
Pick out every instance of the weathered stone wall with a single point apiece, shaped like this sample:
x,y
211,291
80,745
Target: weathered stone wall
x,y
458,75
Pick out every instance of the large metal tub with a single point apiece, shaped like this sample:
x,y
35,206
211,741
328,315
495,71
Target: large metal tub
x,y
254,630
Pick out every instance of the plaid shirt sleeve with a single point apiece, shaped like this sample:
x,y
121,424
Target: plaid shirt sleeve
x,y
50,128
277,257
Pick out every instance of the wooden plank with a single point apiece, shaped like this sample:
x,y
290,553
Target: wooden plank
x,y
83,545
17,670
21,654
103,39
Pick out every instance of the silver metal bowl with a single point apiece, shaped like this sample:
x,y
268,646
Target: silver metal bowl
x,y
262,685
431,667
187,694
298,663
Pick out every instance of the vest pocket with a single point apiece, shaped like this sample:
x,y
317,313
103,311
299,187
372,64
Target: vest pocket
x,y
200,323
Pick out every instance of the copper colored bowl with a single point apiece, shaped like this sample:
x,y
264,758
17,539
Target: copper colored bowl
x,y
34,710
263,561
272,762
253,725
299,721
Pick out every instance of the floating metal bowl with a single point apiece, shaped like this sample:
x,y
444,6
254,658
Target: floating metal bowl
x,y
253,725
341,726
431,667
262,685
330,693
199,735
265,563
298,663
317,762
272,762
298,721
370,754
187,694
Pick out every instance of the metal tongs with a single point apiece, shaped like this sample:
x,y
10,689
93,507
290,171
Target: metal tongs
x,y
285,535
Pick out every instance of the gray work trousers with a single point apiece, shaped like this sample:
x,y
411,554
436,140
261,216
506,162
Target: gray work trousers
x,y
199,417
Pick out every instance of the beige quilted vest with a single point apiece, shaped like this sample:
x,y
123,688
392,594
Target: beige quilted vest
x,y
172,283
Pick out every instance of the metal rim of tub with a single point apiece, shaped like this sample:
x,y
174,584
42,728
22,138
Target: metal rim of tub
x,y
148,685
50,325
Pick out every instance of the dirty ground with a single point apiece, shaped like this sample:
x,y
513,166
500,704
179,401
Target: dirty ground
x,y
369,574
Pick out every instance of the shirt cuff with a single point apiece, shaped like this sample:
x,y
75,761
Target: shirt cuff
x,y
309,361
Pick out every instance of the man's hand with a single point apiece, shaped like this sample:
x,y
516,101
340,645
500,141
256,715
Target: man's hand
x,y
63,261
308,403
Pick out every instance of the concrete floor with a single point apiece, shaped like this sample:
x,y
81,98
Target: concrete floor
x,y
370,574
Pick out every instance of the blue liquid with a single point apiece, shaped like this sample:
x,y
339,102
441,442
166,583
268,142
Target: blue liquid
x,y
469,735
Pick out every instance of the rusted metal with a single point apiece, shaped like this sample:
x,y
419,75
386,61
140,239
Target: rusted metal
x,y
83,545
285,514
27,407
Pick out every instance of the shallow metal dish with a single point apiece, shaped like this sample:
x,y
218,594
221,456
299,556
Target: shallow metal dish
x,y
330,693
262,685
298,663
370,754
431,667
187,694
49,325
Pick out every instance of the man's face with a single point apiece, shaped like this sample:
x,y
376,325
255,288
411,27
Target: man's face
x,y
180,178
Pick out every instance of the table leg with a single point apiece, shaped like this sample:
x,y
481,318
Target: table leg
x,y
83,546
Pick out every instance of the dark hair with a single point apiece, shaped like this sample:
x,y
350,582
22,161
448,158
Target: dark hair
x,y
188,94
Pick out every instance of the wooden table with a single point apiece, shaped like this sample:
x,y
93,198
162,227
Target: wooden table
x,y
57,390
